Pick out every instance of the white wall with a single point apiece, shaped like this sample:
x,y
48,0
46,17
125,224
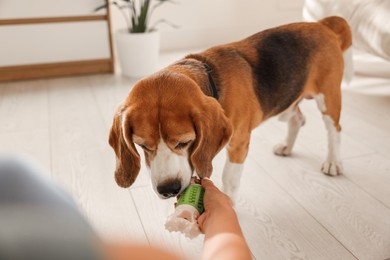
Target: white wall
x,y
203,23
208,22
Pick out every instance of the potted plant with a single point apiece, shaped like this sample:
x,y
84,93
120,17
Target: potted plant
x,y
138,45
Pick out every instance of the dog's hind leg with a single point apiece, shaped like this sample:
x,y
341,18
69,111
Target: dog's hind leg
x,y
330,106
295,119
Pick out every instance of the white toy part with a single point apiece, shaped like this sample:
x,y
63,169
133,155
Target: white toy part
x,y
184,220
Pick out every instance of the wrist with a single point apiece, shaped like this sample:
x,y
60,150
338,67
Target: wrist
x,y
221,221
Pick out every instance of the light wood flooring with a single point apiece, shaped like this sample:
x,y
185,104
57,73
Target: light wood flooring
x,y
287,208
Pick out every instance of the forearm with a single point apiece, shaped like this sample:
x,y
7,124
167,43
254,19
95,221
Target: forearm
x,y
224,238
123,251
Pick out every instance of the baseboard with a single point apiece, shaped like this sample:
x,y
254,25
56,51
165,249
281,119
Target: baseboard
x,y
50,70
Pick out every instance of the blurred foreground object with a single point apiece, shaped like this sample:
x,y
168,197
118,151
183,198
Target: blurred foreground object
x,y
37,219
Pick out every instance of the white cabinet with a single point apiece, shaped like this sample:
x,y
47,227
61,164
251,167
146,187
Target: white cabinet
x,y
45,38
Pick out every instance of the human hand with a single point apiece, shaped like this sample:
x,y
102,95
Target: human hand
x,y
216,204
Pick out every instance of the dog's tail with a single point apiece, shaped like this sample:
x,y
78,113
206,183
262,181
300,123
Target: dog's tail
x,y
341,28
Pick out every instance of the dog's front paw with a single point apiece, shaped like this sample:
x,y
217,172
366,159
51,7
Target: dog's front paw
x,y
332,168
282,149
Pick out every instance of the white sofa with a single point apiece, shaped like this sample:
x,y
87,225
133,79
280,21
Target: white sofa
x,y
370,24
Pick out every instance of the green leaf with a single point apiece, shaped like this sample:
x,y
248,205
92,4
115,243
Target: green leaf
x,y
153,27
137,19
142,18
100,8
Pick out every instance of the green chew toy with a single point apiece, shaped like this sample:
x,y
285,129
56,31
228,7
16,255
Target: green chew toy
x,y
192,195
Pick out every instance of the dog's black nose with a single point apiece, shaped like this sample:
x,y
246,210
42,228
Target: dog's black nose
x,y
169,189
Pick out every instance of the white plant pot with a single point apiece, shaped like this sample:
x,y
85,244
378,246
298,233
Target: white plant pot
x,y
138,52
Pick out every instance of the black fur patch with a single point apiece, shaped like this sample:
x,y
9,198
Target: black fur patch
x,y
281,69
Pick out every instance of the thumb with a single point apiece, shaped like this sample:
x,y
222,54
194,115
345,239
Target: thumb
x,y
201,220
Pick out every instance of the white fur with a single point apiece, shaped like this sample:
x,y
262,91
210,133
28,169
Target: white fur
x,y
348,66
287,114
231,178
320,100
332,165
295,121
167,165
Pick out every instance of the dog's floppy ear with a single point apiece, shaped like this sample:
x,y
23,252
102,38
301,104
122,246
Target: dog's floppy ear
x,y
127,157
213,131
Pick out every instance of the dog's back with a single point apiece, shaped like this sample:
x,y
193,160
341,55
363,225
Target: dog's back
x,y
272,71
282,58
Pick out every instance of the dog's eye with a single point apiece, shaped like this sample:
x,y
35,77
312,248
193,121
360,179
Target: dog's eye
x,y
145,147
182,145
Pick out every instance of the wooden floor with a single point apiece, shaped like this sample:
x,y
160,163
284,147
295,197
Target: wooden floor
x,y
287,208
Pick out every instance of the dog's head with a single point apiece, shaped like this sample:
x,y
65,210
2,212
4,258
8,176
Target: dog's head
x,y
179,128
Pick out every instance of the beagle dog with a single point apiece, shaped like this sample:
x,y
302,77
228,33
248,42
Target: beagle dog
x,y
183,115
